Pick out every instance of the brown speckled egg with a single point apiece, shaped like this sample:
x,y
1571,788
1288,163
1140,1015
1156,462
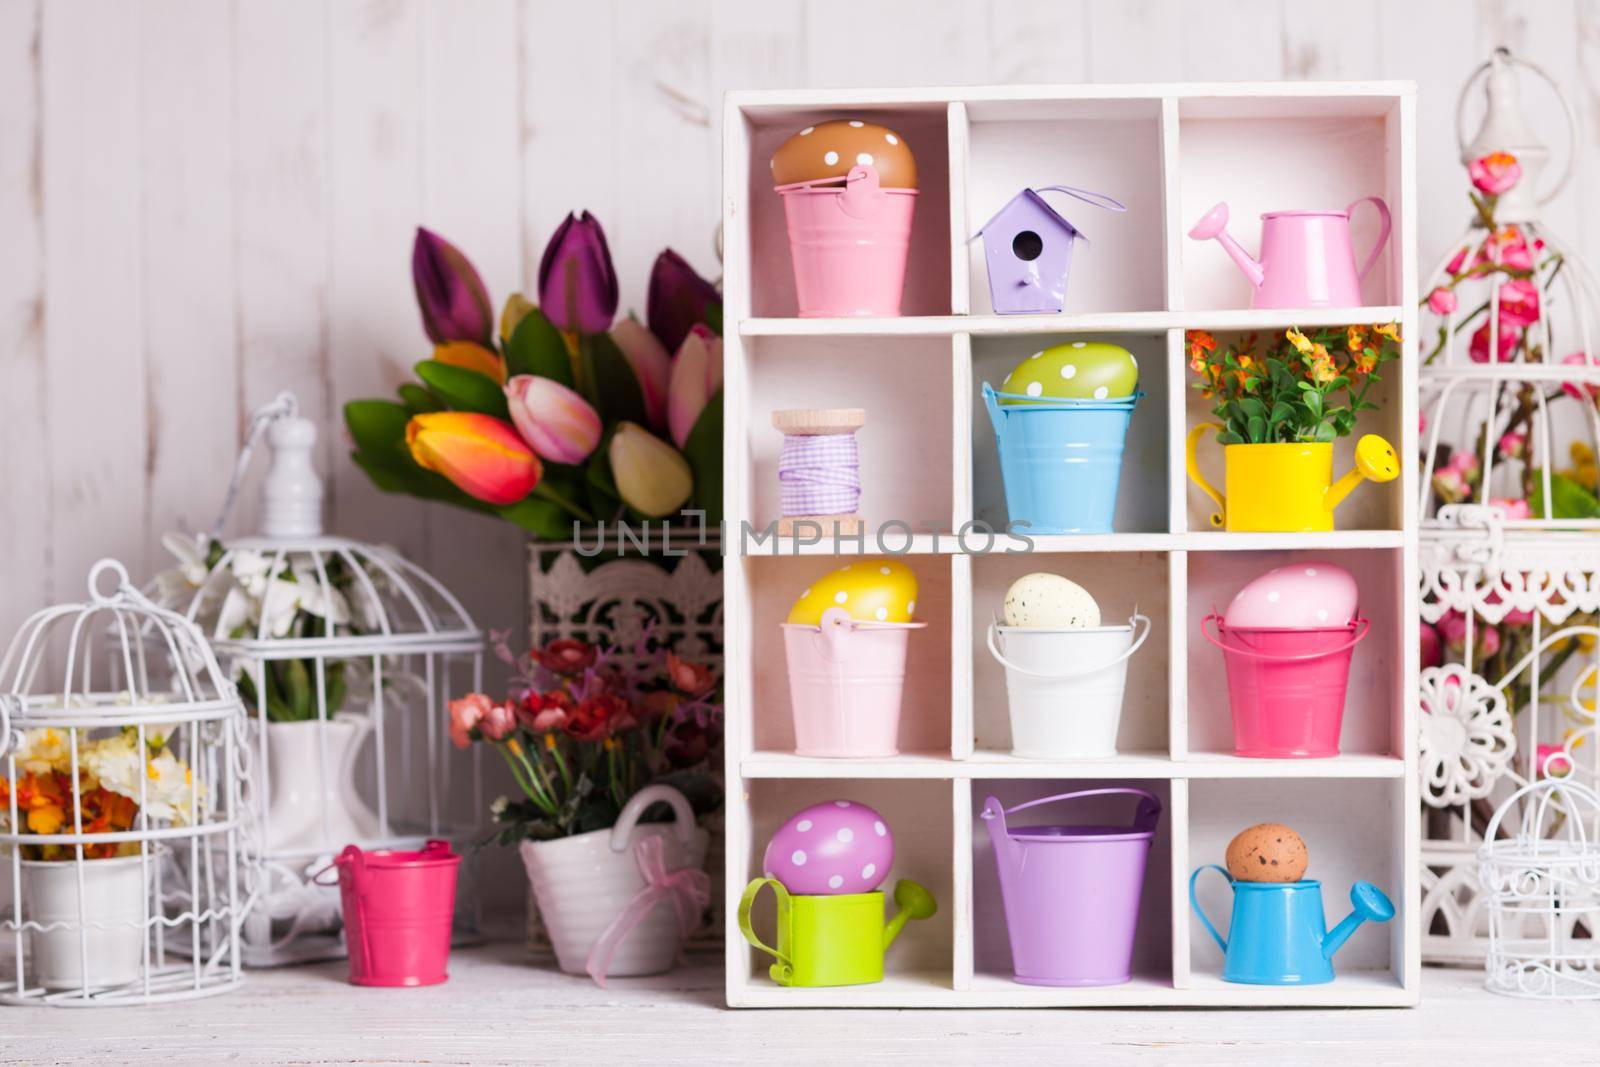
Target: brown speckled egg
x,y
1267,852
830,149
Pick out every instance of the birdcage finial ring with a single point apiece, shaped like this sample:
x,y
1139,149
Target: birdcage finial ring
x,y
117,571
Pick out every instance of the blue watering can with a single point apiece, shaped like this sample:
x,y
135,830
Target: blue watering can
x,y
1277,936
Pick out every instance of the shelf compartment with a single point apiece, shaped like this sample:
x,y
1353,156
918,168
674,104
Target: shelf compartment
x,y
1152,949
1142,491
1107,147
1121,583
906,450
1337,819
1374,701
1069,323
774,583
923,126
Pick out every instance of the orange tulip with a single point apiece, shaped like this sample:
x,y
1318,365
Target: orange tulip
x,y
480,454
469,356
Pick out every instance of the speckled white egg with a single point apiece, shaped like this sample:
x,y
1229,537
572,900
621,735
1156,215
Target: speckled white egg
x,y
1050,601
1302,596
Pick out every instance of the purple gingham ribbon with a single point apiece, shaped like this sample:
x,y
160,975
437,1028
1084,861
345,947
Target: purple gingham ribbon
x,y
819,474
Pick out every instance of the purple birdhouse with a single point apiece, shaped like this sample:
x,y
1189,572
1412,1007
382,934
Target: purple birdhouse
x,y
1028,247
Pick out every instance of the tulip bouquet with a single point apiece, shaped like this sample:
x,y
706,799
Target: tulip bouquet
x,y
110,770
563,414
583,731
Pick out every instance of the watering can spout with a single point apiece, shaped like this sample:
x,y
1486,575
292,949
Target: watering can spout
x,y
1368,902
914,902
1375,460
1213,225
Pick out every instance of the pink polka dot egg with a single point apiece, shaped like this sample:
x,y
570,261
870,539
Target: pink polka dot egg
x,y
1298,596
831,848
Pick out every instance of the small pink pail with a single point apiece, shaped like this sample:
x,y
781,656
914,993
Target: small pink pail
x,y
849,244
398,909
1286,687
845,681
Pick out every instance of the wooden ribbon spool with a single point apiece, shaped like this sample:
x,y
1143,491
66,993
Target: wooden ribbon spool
x,y
819,422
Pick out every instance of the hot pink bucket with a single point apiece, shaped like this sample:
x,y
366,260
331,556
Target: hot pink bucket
x,y
398,908
1286,687
849,245
845,681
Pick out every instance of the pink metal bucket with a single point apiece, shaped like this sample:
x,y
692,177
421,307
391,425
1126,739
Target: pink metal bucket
x,y
845,681
1071,893
398,908
1286,687
849,245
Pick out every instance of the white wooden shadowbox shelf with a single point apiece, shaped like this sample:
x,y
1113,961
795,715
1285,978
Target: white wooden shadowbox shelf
x,y
928,457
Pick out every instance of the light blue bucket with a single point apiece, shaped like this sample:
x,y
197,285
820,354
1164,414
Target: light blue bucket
x,y
1060,459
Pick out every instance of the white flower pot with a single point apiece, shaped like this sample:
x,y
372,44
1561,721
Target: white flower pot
x,y
107,935
583,882
304,789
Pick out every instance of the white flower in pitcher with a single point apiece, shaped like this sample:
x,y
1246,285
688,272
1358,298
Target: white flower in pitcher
x,y
179,583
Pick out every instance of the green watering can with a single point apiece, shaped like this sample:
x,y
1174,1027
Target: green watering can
x,y
835,939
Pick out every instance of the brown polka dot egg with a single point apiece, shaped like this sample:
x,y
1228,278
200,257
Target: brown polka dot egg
x,y
1267,852
829,150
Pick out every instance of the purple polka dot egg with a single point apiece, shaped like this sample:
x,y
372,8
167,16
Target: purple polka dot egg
x,y
838,846
1298,596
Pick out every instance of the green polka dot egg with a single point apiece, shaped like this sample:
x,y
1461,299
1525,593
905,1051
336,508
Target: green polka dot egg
x,y
871,590
1077,370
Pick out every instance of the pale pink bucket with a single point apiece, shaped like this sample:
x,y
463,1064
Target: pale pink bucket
x,y
849,244
398,909
1286,687
845,681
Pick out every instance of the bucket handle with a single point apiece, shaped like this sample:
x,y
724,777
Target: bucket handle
x,y
1144,819
1194,901
1100,200
683,815
1080,672
782,971
1363,626
997,415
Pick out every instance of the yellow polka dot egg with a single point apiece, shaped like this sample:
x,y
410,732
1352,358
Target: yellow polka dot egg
x,y
1077,370
871,590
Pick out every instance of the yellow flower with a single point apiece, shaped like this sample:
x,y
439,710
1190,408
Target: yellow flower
x,y
1356,336
1298,339
1321,365
516,749
550,742
46,818
1391,330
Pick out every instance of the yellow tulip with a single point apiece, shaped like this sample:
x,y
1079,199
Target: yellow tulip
x,y
652,477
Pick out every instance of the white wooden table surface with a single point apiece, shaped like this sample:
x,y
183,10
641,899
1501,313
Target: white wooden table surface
x,y
501,1007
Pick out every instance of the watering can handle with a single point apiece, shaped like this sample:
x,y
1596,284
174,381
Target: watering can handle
x,y
1190,460
1097,199
683,815
1195,903
1135,622
1362,626
783,970
1384,226
1144,818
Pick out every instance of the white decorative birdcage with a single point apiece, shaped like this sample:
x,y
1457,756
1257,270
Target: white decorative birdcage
x,y
346,656
1541,882
124,838
1509,557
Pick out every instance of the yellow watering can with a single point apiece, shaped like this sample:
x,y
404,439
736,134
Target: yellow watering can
x,y
1286,487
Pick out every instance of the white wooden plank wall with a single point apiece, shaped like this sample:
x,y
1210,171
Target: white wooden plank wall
x,y
204,203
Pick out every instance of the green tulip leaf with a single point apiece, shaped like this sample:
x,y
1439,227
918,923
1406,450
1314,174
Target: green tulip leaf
x,y
537,347
376,424
703,449
603,497
609,382
418,399
542,518
464,390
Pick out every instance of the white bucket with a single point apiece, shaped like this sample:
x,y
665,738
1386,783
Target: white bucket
x,y
1065,686
106,934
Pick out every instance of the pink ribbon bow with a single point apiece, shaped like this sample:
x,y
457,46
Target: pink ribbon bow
x,y
689,890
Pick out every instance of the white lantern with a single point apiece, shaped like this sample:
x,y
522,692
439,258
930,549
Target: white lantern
x,y
123,833
346,655
1510,561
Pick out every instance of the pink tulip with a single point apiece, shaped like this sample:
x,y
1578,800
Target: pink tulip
x,y
498,722
1478,350
1494,173
1488,641
651,365
1442,301
1516,510
465,715
1453,628
1579,390
696,377
557,422
1519,303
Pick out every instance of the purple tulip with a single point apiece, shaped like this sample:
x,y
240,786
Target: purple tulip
x,y
454,303
678,299
577,283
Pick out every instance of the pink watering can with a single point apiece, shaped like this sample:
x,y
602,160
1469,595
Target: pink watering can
x,y
1307,258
